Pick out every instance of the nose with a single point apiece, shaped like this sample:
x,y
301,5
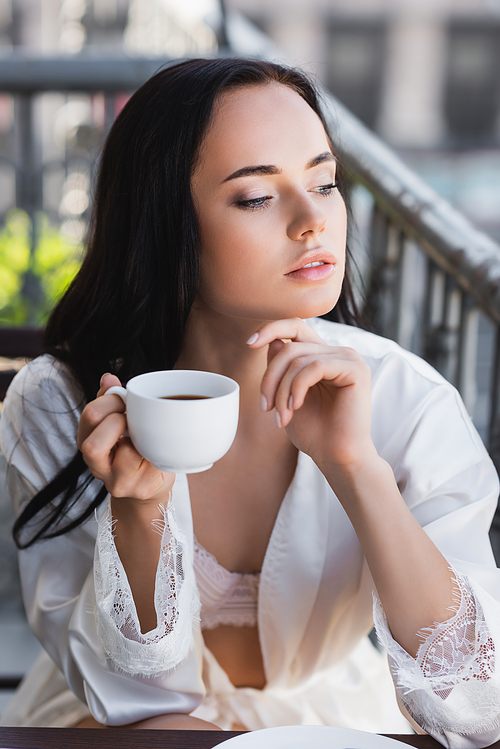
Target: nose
x,y
307,218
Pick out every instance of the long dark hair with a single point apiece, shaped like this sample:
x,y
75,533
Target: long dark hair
x,y
127,308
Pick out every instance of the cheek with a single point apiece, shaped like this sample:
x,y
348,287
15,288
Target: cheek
x,y
223,272
233,286
233,255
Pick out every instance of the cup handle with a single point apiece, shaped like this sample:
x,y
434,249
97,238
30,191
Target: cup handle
x,y
117,390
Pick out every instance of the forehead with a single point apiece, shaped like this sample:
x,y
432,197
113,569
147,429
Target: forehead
x,y
261,124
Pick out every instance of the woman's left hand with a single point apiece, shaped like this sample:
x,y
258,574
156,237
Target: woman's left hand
x,y
321,393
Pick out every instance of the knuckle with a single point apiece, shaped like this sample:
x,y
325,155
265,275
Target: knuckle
x,y
92,414
316,365
302,361
91,451
297,363
363,367
117,487
96,474
350,352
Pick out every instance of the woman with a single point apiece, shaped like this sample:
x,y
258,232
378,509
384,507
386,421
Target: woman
x,y
218,239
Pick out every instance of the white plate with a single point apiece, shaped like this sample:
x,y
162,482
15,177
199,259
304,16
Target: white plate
x,y
308,737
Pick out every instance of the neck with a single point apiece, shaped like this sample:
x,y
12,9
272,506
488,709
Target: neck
x,y
216,343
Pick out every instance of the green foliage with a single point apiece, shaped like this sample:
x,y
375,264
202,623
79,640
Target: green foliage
x,y
30,285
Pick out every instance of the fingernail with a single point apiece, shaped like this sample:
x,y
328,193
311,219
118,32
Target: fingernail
x,y
102,378
263,403
278,419
290,403
252,339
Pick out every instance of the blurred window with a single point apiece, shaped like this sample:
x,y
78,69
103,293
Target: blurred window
x,y
472,93
356,57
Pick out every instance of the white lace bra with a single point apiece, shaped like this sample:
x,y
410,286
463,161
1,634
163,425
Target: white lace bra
x,y
226,597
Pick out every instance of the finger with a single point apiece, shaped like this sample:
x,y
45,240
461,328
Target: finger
x,y
336,373
307,371
107,381
136,478
98,445
312,372
293,329
274,348
125,476
280,363
94,414
293,386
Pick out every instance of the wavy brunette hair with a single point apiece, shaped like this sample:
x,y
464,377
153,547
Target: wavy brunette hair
x,y
127,308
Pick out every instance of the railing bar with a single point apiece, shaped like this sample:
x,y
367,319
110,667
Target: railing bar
x,y
427,312
376,250
405,313
391,280
452,326
438,297
378,234
418,280
494,421
222,32
109,111
467,352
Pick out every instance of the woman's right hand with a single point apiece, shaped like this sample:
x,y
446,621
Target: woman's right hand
x,y
137,489
110,455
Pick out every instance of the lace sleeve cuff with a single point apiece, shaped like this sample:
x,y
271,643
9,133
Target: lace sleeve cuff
x,y
176,603
451,685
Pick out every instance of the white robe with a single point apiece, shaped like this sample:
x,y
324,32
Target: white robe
x,y
315,597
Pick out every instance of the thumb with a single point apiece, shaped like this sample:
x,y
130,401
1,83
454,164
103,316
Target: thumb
x,y
107,381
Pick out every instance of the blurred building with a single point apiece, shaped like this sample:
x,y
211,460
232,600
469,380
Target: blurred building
x,y
423,73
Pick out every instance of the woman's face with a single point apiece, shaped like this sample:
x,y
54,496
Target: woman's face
x,y
267,209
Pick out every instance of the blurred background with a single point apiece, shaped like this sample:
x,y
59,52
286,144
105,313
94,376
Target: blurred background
x,y
424,75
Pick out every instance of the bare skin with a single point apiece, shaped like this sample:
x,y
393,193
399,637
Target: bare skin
x,y
258,230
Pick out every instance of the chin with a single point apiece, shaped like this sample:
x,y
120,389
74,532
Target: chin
x,y
314,308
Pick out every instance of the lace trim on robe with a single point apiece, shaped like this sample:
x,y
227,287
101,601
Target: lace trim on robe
x,y
444,686
455,642
176,602
226,597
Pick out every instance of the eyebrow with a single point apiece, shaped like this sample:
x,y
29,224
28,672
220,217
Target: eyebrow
x,y
248,171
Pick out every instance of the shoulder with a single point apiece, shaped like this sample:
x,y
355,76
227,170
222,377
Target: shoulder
x,y
45,377
412,403
378,352
43,402
42,392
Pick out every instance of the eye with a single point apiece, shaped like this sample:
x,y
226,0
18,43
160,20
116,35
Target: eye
x,y
253,203
326,189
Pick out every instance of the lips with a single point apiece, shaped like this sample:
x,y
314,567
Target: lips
x,y
313,259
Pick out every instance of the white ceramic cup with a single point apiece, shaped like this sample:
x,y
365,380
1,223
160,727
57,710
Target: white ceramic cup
x,y
181,436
